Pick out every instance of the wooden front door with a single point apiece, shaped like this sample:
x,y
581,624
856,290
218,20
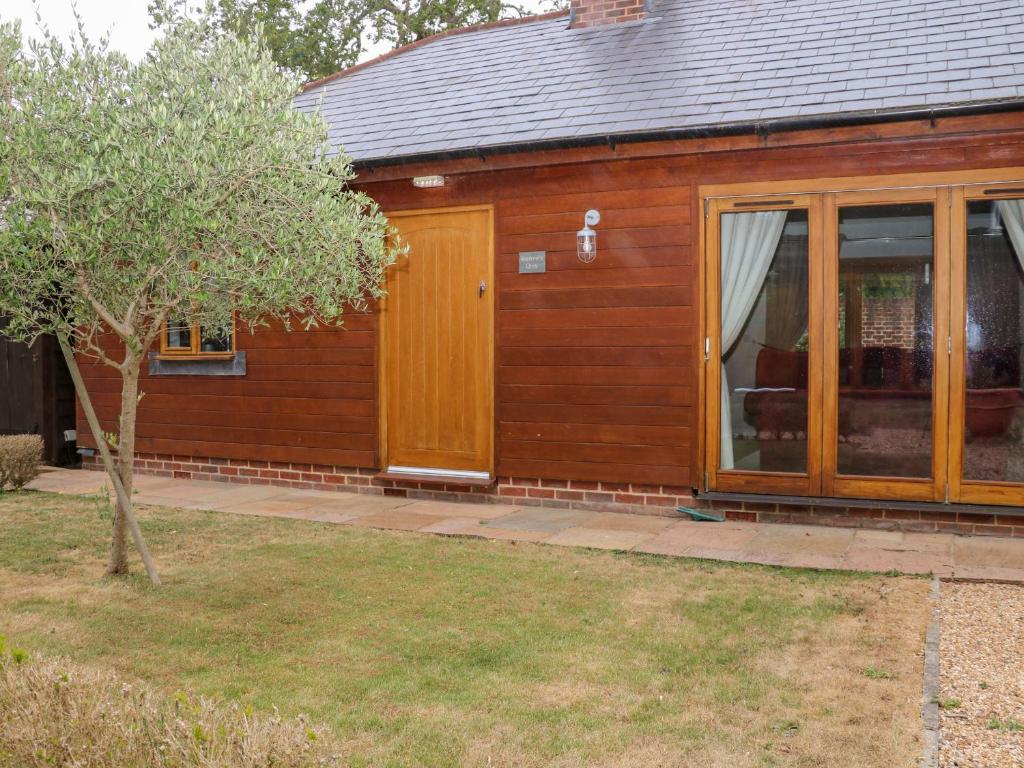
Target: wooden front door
x,y
437,345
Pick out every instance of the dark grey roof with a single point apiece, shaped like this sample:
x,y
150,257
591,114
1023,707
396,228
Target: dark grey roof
x,y
697,63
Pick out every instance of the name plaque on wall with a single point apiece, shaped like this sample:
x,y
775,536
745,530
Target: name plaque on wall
x,y
532,262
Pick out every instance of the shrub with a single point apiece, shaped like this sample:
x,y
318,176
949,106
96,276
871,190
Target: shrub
x,y
20,456
54,712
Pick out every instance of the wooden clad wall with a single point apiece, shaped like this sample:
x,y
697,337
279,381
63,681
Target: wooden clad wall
x,y
308,397
596,365
594,370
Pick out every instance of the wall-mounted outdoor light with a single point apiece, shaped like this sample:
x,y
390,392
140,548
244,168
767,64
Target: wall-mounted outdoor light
x,y
426,182
586,238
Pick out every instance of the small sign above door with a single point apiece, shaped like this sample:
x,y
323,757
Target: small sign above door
x,y
532,262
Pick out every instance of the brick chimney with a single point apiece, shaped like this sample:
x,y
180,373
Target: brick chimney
x,y
594,13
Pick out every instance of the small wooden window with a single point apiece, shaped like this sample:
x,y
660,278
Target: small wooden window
x,y
179,339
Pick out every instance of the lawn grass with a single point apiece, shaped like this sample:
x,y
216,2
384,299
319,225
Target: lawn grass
x,y
431,651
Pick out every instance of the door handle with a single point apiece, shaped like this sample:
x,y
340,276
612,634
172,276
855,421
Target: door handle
x,y
483,288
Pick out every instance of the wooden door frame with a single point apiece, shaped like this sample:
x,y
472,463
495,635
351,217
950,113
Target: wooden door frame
x,y
897,488
944,184
969,491
382,341
742,481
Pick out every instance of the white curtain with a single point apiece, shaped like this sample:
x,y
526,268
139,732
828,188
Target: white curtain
x,y
1012,214
749,241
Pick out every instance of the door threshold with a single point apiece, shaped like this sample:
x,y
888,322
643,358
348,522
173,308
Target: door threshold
x,y
856,503
433,476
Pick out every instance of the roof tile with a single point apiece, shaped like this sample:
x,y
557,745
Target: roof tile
x,y
698,63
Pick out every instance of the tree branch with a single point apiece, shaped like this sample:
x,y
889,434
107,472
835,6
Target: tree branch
x,y
117,327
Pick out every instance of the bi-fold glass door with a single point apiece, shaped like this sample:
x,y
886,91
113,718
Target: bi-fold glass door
x,y
886,317
986,435
827,363
764,294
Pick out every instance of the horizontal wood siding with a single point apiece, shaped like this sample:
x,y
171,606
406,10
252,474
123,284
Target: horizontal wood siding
x,y
596,365
594,362
307,396
588,353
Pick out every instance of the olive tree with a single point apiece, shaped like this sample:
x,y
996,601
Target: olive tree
x,y
184,186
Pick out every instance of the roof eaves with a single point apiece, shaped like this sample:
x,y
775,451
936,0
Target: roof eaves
x,y
761,127
432,38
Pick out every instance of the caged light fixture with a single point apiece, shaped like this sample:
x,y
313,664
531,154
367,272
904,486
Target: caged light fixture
x,y
586,238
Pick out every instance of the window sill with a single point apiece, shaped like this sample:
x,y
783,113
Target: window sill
x,y
189,356
197,365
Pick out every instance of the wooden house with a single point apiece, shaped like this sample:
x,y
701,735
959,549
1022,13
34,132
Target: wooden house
x,y
801,299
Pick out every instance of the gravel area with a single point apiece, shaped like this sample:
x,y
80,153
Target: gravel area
x,y
982,676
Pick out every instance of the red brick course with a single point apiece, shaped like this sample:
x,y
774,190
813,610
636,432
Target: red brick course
x,y
953,520
521,491
593,13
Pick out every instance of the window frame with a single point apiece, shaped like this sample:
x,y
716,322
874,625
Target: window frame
x,y
194,351
746,481
961,489
950,191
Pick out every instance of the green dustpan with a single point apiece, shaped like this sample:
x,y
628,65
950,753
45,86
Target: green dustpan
x,y
702,517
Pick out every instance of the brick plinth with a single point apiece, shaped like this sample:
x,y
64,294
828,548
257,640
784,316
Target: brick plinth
x,y
991,522
533,492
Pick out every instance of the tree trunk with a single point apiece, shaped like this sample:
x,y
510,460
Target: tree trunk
x,y
125,465
123,499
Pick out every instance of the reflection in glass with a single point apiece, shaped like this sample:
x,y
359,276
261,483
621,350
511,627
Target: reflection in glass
x,y
764,341
179,335
216,340
886,329
994,414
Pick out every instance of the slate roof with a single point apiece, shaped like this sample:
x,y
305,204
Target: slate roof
x,y
694,64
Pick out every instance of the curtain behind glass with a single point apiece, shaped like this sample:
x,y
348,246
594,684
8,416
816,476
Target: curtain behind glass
x,y
749,241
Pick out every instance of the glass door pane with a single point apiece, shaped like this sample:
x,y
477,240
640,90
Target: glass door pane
x,y
764,341
993,447
886,340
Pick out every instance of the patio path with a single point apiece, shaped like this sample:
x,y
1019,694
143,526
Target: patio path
x,y
944,555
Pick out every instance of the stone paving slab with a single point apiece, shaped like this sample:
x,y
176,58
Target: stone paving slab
x,y
397,519
983,558
805,539
686,535
349,504
598,538
355,505
468,526
153,483
898,541
988,551
636,523
75,482
280,505
541,519
453,509
232,497
862,558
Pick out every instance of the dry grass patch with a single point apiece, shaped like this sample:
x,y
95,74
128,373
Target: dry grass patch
x,y
429,651
54,712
